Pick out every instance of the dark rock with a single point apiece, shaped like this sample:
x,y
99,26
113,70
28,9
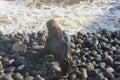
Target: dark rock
x,y
2,53
109,75
99,76
19,61
10,69
20,68
108,60
92,73
34,35
72,76
116,79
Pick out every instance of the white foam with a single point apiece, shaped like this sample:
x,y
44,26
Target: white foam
x,y
79,17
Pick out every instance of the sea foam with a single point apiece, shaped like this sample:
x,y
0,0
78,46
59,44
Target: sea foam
x,y
85,16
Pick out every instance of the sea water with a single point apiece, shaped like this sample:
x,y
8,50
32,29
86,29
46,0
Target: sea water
x,y
71,15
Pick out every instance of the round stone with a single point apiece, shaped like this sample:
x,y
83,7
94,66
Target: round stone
x,y
18,76
28,78
19,47
84,73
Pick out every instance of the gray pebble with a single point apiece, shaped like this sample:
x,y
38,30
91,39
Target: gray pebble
x,y
10,69
84,73
20,68
19,47
72,76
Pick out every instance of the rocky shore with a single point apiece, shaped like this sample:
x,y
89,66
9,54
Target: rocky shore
x,y
96,57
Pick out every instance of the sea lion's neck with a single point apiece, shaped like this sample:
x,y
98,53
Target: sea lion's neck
x,y
55,34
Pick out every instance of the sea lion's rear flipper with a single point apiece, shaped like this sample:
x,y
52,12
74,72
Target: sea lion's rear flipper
x,y
67,62
42,53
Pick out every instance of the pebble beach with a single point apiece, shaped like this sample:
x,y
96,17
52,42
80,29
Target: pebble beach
x,y
92,29
96,56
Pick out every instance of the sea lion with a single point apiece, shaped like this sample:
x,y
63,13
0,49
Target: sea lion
x,y
57,46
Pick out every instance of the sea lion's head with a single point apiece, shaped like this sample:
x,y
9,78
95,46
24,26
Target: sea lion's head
x,y
54,28
52,25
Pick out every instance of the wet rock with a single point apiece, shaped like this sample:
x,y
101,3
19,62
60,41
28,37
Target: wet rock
x,y
77,52
28,78
72,76
117,68
113,48
98,58
7,77
79,41
19,61
38,77
99,76
34,35
2,53
55,67
37,47
108,60
20,68
18,76
94,53
90,66
26,38
102,65
10,62
110,69
104,39
92,73
5,59
116,41
109,75
10,69
19,47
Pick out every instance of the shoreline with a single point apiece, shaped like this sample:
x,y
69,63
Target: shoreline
x,y
96,56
